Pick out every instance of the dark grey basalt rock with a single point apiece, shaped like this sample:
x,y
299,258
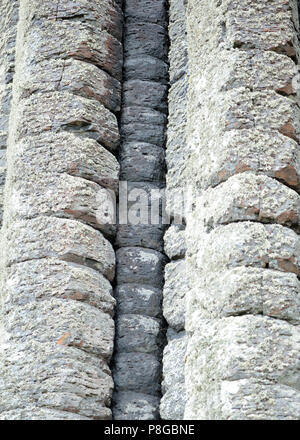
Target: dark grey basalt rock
x,y
138,299
139,372
140,266
142,162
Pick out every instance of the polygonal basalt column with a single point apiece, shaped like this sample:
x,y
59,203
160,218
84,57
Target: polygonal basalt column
x,y
176,282
57,328
8,24
243,247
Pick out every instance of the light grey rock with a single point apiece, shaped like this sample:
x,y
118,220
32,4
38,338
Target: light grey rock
x,y
261,362
66,153
174,354
241,363
178,57
76,77
38,280
245,290
173,401
63,111
57,331
174,294
68,240
174,240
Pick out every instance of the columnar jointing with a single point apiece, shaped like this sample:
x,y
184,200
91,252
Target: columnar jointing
x,y
57,329
8,26
243,245
140,261
176,285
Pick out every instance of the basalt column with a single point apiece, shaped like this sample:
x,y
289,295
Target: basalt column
x,y
57,330
8,26
176,285
243,247
140,258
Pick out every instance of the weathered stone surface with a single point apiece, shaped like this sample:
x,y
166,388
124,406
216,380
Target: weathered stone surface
x,y
106,15
70,323
75,39
239,35
67,239
76,77
65,153
138,333
138,299
175,289
83,389
241,363
61,196
63,111
245,290
248,197
173,388
46,278
177,33
139,238
177,153
174,240
142,162
140,266
8,23
177,156
261,360
267,152
135,406
57,332
251,245
173,402
139,372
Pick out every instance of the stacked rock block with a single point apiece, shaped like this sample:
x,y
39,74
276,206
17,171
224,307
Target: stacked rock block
x,y
57,330
243,246
140,258
8,26
173,400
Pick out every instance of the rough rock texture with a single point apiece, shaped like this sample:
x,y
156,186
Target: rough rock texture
x,y
9,10
176,281
242,234
57,329
206,310
140,261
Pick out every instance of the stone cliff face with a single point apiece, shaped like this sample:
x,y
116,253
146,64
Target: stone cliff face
x,y
193,316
